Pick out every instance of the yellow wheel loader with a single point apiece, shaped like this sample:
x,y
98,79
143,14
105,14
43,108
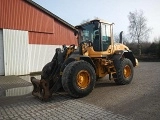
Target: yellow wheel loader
x,y
77,69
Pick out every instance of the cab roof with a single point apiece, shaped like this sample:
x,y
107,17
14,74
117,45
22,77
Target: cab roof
x,y
99,20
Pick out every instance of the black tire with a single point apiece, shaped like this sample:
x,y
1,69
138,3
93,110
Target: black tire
x,y
66,62
78,79
124,71
48,69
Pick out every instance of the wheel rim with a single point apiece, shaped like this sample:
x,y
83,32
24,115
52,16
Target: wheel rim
x,y
127,71
83,79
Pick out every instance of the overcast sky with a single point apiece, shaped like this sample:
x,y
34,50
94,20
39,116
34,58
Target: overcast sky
x,y
116,11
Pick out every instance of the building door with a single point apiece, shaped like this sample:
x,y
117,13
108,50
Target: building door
x,y
15,52
1,53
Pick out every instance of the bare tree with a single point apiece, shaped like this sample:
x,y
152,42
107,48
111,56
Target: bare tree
x,y
138,29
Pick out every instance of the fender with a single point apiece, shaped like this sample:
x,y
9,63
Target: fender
x,y
124,53
76,57
89,60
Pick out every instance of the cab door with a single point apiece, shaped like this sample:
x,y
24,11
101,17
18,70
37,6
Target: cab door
x,y
105,36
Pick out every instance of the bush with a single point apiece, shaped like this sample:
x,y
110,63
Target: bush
x,y
150,51
158,49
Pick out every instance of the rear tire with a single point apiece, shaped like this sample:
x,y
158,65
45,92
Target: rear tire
x,y
78,78
124,71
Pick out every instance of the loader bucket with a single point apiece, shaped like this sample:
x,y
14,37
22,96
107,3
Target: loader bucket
x,y
40,89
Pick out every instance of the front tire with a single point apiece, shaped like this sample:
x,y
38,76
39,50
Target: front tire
x,y
78,78
124,71
47,70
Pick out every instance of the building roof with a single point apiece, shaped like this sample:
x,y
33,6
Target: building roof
x,y
49,13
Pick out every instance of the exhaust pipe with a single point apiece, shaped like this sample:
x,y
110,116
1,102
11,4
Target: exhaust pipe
x,y
120,37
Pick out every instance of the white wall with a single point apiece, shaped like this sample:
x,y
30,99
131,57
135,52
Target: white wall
x,y
39,55
15,52
22,58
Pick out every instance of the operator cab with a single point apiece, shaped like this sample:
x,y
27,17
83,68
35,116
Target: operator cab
x,y
97,32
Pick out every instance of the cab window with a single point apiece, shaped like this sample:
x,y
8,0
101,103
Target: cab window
x,y
105,36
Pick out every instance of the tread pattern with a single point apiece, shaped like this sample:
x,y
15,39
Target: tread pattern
x,y
69,78
118,76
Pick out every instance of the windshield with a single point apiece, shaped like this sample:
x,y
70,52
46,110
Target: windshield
x,y
97,33
88,32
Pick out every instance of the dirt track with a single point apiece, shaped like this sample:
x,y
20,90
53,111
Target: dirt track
x,y
138,100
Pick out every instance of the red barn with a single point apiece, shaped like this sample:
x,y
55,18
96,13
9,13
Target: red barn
x,y
29,35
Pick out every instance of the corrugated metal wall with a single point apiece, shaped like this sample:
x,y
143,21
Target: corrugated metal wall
x,y
39,55
62,35
19,15
45,33
43,29
15,52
